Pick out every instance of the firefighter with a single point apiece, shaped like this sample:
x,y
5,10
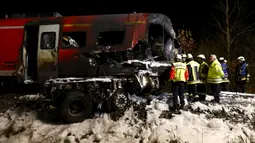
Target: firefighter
x,y
193,69
203,71
178,76
214,77
242,74
225,81
184,57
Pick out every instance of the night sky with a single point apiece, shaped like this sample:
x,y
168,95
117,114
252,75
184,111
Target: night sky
x,y
191,14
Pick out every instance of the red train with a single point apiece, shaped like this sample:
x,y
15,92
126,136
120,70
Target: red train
x,y
92,49
83,34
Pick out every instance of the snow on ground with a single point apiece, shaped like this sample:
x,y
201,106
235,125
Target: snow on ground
x,y
231,121
150,63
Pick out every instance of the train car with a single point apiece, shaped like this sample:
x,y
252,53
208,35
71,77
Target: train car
x,y
114,38
11,40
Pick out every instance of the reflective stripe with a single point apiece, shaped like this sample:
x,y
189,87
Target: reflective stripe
x,y
135,22
194,77
243,78
215,73
179,69
11,27
195,73
194,82
214,80
179,66
225,80
77,25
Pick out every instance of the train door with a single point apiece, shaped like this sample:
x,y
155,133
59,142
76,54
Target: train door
x,y
48,43
40,52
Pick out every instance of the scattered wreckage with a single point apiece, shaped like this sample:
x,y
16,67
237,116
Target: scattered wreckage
x,y
90,62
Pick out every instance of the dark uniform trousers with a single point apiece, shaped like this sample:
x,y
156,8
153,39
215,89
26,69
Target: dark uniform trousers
x,y
224,86
216,91
241,85
178,88
185,87
201,89
192,89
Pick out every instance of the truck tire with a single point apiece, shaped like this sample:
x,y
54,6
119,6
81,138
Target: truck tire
x,y
76,101
119,101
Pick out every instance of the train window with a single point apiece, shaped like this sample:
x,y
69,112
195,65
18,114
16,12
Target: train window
x,y
48,40
108,38
74,39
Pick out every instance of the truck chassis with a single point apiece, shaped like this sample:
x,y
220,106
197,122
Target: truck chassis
x,y
78,98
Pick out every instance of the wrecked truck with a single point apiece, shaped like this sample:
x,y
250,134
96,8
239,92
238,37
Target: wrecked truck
x,y
91,62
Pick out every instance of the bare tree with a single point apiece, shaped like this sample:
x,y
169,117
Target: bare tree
x,y
231,22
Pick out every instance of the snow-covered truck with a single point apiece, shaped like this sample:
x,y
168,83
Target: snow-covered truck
x,y
89,61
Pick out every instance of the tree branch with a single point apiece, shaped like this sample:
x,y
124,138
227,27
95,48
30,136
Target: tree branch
x,y
223,7
219,24
237,17
246,17
232,11
247,29
220,8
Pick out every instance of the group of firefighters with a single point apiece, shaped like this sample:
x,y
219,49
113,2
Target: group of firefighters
x,y
196,77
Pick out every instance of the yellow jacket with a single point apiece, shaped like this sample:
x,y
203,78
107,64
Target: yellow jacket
x,y
193,68
215,73
179,72
203,72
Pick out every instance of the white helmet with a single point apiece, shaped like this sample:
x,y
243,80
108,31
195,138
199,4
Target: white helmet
x,y
225,61
184,56
190,56
241,58
178,56
214,56
221,59
201,56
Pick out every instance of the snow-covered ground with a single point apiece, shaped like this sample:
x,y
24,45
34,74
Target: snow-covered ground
x,y
229,122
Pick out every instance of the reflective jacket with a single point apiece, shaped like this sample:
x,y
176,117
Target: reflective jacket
x,y
179,72
225,71
193,68
203,71
215,73
242,73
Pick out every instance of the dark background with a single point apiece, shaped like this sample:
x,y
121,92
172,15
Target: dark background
x,y
191,14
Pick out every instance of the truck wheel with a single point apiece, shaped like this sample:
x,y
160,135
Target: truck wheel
x,y
76,107
119,101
